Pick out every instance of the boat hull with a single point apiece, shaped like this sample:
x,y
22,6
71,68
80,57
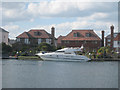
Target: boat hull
x,y
63,59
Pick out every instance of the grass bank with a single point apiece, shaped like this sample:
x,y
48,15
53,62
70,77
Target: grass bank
x,y
29,57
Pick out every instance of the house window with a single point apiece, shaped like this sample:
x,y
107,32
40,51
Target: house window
x,y
43,40
118,42
88,34
76,34
48,41
108,44
109,40
18,39
76,41
95,42
85,41
67,41
37,33
27,41
39,41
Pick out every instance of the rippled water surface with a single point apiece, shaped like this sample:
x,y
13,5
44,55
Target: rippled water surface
x,y
51,74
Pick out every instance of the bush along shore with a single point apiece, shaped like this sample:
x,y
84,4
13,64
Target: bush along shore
x,y
27,52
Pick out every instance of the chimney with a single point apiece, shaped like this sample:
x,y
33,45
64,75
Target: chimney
x,y
53,35
53,31
102,44
112,36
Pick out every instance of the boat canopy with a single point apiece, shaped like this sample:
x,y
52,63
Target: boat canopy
x,y
71,50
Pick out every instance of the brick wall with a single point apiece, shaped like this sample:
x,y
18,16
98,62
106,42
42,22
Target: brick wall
x,y
88,45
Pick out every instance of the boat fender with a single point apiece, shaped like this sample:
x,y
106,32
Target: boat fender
x,y
43,52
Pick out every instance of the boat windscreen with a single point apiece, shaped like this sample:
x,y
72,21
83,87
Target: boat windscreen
x,y
60,51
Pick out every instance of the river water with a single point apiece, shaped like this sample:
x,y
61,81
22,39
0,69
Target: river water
x,y
52,74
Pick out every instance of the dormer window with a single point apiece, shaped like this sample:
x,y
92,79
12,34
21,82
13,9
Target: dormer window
x,y
37,33
76,34
88,34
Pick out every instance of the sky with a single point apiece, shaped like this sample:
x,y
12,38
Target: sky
x,y
18,17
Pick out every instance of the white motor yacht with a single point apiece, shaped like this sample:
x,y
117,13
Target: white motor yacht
x,y
65,54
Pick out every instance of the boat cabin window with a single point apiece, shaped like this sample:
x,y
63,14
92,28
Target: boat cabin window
x,y
60,51
67,53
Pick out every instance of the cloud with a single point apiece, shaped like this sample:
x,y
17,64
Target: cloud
x,y
65,28
13,5
11,27
32,20
15,11
90,15
13,30
69,9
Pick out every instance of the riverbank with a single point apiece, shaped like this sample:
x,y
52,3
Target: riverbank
x,y
38,58
29,57
106,59
23,58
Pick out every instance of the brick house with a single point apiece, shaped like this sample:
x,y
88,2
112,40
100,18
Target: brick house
x,y
88,38
36,36
59,43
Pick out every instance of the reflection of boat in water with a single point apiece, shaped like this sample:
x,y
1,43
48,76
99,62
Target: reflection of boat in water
x,y
65,54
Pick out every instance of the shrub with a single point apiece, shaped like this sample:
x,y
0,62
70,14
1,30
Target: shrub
x,y
104,52
6,49
45,47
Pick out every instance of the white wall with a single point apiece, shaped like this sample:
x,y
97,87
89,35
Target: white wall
x,y
55,43
3,37
0,36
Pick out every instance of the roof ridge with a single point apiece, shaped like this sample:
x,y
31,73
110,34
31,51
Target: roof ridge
x,y
83,30
37,29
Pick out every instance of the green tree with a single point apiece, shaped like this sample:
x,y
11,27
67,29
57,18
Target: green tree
x,y
21,47
6,49
104,52
45,47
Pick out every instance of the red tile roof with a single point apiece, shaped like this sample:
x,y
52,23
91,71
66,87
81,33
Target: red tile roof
x,y
23,35
70,36
117,38
60,38
44,34
31,33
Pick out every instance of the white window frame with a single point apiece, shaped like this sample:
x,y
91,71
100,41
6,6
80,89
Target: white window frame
x,y
39,40
26,40
18,39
